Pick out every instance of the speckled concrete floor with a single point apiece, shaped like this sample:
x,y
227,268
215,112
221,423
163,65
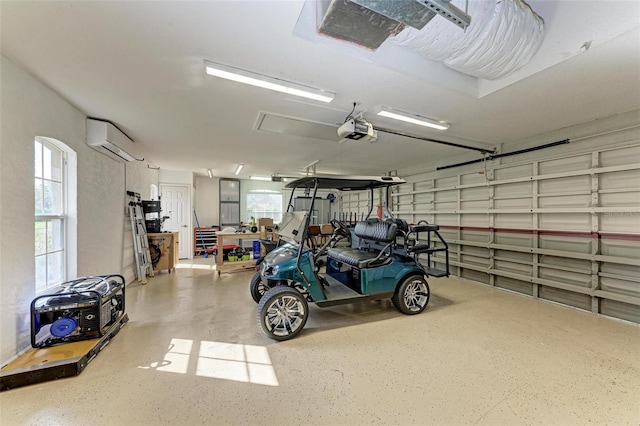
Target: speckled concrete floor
x,y
193,353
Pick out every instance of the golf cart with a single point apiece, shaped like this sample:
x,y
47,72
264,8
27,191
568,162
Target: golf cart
x,y
384,263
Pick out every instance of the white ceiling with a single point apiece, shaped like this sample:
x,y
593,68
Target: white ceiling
x,y
140,65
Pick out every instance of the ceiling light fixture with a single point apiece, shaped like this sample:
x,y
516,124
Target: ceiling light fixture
x,y
238,169
266,82
267,178
412,118
210,173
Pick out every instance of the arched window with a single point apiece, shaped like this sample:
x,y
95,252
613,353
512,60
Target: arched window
x,y
55,207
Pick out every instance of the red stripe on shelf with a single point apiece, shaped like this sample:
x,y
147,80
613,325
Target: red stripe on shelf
x,y
550,233
621,237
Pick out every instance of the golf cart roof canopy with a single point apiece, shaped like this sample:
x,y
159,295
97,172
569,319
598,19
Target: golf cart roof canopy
x,y
345,183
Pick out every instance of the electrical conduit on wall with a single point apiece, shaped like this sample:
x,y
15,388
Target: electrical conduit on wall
x,y
503,36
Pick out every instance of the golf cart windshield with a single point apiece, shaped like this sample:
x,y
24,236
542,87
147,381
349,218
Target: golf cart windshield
x,y
292,226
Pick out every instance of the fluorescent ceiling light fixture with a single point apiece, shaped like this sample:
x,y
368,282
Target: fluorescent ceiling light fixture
x,y
210,173
412,118
266,82
238,169
260,178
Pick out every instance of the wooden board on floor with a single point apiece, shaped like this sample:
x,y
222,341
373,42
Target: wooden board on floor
x,y
55,362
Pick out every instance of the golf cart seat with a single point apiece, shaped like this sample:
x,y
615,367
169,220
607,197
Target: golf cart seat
x,y
376,239
401,223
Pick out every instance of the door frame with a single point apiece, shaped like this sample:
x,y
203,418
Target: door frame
x,y
189,241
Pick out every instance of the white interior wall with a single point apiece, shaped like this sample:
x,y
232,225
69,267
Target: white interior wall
x,y
29,109
207,200
139,178
176,177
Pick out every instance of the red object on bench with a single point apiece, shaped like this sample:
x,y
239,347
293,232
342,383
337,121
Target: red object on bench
x,y
226,247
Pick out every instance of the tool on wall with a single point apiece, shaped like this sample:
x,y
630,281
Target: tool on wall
x,y
204,246
144,266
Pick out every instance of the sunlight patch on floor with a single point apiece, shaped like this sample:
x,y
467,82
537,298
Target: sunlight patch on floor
x,y
219,360
245,363
195,266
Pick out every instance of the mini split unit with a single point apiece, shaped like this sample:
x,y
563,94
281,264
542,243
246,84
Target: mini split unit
x,y
106,138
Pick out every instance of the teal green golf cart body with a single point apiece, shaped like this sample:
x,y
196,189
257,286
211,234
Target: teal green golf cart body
x,y
385,262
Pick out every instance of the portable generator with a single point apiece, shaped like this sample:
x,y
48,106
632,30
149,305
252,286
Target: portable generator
x,y
82,309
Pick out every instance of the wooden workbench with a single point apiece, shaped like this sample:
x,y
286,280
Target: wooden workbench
x,y
167,242
221,265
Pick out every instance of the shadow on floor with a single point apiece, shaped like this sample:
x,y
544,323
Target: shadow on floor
x,y
335,317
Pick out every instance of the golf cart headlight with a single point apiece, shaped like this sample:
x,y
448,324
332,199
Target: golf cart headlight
x,y
271,270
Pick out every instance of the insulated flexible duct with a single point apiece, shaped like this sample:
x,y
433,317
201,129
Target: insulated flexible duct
x,y
503,36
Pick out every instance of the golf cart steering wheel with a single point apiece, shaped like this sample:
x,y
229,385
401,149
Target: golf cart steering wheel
x,y
340,228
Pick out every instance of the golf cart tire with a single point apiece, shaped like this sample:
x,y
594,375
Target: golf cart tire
x,y
412,295
257,289
282,313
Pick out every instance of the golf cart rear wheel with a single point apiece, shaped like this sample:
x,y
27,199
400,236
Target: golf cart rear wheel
x,y
282,313
258,287
412,295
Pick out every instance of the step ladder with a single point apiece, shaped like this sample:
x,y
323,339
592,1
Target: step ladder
x,y
144,266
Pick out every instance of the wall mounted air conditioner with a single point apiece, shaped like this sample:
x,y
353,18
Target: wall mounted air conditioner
x,y
106,138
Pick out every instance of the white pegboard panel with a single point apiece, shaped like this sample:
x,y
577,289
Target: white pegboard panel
x,y
580,222
523,170
563,165
513,190
562,185
565,201
567,244
514,203
621,156
518,268
475,220
514,221
620,222
628,249
477,193
568,277
563,227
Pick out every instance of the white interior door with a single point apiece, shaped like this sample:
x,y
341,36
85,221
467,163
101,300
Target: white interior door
x,y
176,203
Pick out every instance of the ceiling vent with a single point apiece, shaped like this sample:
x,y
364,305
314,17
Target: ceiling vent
x,y
295,126
490,39
369,23
348,21
106,138
503,36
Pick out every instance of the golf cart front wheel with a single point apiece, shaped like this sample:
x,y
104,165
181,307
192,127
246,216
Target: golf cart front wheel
x,y
282,313
258,286
412,295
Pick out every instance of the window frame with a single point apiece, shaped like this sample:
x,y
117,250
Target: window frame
x,y
62,216
251,214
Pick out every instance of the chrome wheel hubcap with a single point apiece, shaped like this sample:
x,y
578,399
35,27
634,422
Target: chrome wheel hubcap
x,y
285,315
416,295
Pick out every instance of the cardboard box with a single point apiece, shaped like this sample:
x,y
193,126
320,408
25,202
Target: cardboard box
x,y
265,221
